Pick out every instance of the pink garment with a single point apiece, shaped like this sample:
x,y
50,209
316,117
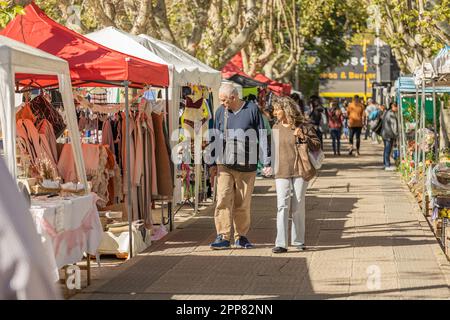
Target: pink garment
x,y
82,123
46,128
66,163
28,133
91,155
46,149
107,136
125,165
335,121
33,143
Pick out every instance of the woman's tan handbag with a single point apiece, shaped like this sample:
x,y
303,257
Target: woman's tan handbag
x,y
303,164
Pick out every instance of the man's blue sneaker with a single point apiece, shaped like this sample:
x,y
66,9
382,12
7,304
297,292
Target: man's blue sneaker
x,y
243,243
220,243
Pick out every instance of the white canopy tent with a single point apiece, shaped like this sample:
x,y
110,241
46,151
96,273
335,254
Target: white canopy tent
x,y
441,62
183,70
441,65
424,73
188,70
16,57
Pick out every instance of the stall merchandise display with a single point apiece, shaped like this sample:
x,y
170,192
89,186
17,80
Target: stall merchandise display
x,y
43,109
150,165
70,227
196,109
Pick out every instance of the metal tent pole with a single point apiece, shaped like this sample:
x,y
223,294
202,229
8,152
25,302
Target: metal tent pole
x,y
424,165
128,157
169,126
436,134
402,133
416,152
197,163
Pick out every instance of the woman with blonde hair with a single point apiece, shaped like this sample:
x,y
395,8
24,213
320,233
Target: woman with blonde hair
x,y
292,138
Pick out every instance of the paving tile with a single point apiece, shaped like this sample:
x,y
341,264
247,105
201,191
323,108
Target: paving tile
x,y
360,221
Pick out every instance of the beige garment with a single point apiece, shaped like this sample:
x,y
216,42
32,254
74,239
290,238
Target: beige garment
x,y
152,153
100,178
130,134
164,176
127,134
291,160
234,196
148,178
284,143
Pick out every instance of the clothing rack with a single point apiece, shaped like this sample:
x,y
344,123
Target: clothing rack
x,y
129,107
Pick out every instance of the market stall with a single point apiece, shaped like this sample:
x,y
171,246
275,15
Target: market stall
x,y
280,89
424,163
409,101
194,84
93,65
233,73
69,225
185,71
438,174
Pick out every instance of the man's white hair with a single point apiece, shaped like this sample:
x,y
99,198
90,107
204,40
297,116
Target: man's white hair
x,y
228,90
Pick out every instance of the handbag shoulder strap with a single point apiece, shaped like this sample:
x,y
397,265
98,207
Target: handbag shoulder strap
x,y
225,123
313,140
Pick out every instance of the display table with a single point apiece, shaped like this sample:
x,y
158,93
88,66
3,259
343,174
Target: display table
x,y
69,226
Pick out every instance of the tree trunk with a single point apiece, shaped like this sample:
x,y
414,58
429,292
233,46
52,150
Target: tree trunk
x,y
250,25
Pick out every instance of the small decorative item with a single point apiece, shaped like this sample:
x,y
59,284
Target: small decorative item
x,y
46,169
25,166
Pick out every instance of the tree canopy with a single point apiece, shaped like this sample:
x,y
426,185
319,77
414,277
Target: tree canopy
x,y
280,38
415,29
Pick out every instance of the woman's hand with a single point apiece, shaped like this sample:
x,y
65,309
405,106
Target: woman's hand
x,y
299,133
267,171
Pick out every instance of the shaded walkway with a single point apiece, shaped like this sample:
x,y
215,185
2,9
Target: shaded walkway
x,y
366,239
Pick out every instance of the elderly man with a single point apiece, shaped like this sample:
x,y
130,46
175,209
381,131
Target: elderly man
x,y
242,132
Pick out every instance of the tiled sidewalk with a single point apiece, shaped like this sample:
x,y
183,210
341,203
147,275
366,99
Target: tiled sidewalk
x,y
366,237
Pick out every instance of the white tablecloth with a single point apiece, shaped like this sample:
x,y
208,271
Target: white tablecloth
x,y
68,226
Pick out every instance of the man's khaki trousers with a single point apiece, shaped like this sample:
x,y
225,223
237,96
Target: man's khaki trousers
x,y
234,197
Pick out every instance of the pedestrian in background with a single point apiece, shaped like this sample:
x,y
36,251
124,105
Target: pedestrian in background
x,y
356,118
389,133
299,102
335,122
316,116
293,136
371,107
